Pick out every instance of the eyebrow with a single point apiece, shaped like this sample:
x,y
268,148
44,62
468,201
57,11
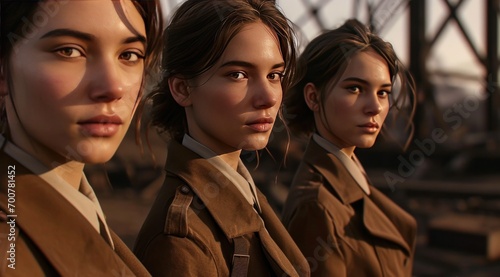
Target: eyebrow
x,y
355,79
247,64
86,36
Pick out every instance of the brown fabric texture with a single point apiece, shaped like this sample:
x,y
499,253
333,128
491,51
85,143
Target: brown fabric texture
x,y
53,238
341,230
197,214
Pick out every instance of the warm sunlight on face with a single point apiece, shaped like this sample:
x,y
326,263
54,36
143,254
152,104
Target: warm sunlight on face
x,y
76,80
357,105
235,103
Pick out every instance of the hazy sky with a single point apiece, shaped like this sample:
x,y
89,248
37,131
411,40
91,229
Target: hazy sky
x,y
451,53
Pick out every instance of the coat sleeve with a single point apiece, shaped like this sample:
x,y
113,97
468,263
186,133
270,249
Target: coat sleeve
x,y
312,228
168,255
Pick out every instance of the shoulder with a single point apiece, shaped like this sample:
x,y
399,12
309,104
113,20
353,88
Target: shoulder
x,y
21,257
306,209
178,220
181,234
310,189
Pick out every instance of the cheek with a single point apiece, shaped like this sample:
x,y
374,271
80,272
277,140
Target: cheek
x,y
385,109
46,82
225,101
341,107
130,100
133,79
279,97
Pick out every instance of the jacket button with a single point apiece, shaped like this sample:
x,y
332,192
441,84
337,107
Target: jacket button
x,y
185,189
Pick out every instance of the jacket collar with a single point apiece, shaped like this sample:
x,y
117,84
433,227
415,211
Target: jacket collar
x,y
83,199
280,235
389,223
219,195
61,233
335,173
350,163
241,178
383,218
229,208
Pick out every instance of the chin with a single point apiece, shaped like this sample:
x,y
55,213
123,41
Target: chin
x,y
97,155
365,145
255,147
97,159
255,143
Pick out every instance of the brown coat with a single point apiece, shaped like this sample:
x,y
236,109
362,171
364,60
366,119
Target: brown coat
x,y
51,237
341,230
196,217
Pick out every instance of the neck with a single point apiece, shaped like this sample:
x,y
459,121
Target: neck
x,y
71,172
349,151
231,158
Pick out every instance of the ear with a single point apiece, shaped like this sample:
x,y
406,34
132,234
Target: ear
x,y
311,97
180,91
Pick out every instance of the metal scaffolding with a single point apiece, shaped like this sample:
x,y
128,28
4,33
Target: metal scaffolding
x,y
421,45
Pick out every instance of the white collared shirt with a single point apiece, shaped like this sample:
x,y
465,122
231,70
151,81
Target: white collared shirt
x,y
241,178
83,199
351,163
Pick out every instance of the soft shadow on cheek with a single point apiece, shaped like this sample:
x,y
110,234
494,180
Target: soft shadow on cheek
x,y
130,100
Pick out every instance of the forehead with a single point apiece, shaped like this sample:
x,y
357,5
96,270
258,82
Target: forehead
x,y
367,63
255,41
93,16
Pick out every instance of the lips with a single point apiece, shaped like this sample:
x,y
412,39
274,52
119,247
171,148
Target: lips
x,y
101,126
370,125
370,128
262,124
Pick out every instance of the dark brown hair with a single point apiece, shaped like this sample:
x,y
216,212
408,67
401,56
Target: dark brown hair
x,y
16,15
325,59
196,38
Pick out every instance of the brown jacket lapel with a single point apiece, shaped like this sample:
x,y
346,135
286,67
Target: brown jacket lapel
x,y
391,223
71,245
385,219
281,237
227,206
128,257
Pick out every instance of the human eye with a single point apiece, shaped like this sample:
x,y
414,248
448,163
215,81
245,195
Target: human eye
x,y
354,89
238,75
131,56
384,93
69,52
275,76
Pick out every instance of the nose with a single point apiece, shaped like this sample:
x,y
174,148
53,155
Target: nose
x,y
107,81
266,94
373,104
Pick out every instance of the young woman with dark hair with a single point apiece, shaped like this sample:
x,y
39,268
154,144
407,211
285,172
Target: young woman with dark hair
x,y
226,64
71,75
346,85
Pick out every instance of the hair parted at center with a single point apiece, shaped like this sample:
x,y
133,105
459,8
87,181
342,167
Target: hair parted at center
x,y
195,39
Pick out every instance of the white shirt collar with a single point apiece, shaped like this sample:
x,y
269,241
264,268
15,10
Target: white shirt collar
x,y
83,199
241,178
352,165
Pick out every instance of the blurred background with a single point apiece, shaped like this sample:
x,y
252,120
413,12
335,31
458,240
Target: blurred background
x,y
448,178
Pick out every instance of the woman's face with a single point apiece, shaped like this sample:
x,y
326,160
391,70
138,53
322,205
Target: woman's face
x,y
356,106
75,80
234,105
